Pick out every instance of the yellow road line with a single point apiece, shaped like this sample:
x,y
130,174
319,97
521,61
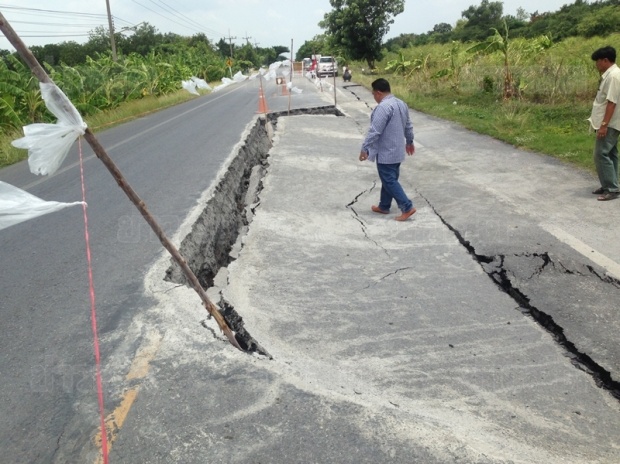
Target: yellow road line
x,y
138,370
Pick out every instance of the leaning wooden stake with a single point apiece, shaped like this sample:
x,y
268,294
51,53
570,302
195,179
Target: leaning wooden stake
x,y
100,152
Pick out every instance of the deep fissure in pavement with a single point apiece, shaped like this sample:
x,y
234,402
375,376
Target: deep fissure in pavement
x,y
215,239
494,267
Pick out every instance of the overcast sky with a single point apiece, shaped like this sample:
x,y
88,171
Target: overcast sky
x,y
263,22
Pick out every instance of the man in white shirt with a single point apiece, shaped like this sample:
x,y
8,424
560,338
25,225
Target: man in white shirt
x,y
605,120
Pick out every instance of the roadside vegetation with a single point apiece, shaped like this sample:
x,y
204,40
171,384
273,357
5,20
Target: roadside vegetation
x,y
534,94
526,79
146,76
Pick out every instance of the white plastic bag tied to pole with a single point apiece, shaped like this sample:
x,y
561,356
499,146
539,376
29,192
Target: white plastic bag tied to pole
x,y
48,144
17,205
293,89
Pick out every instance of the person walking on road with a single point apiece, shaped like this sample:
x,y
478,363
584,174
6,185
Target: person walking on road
x,y
605,120
389,137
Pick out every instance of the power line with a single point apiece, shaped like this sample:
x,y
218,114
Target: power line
x,y
83,20
55,24
183,17
76,24
193,28
159,14
99,18
51,35
40,10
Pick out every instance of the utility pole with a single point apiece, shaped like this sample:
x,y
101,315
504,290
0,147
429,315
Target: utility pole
x,y
111,23
230,39
247,39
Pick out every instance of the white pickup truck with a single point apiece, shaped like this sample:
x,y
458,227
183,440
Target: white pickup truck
x,y
327,66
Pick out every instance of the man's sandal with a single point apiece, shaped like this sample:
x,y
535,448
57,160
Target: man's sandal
x,y
609,196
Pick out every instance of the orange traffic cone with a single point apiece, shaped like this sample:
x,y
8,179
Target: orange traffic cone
x,y
262,102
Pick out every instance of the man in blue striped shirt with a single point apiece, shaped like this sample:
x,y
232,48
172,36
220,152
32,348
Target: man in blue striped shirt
x,y
389,137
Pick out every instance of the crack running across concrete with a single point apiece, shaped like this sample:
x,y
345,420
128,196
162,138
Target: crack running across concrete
x,y
494,267
357,217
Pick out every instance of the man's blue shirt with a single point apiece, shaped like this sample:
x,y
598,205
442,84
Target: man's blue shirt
x,y
390,129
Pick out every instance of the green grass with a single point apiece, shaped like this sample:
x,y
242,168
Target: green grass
x,y
9,154
136,109
558,130
101,121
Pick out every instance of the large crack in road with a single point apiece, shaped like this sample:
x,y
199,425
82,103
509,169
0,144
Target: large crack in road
x,y
496,267
217,235
216,240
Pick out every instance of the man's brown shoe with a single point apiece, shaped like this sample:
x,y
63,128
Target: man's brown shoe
x,y
376,209
407,215
608,196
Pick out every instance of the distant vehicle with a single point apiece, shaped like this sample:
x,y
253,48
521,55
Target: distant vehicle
x,y
327,66
307,64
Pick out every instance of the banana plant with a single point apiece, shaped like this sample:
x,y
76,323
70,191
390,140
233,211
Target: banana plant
x,y
457,60
20,102
398,66
498,42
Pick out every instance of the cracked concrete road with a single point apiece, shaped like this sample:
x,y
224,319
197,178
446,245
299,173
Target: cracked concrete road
x,y
395,342
533,223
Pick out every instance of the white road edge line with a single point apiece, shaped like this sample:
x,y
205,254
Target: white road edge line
x,y
135,136
586,250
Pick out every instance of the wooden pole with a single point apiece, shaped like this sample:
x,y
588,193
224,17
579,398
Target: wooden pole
x,y
290,79
100,152
335,71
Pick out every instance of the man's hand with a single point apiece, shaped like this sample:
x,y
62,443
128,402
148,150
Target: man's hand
x,y
363,156
410,149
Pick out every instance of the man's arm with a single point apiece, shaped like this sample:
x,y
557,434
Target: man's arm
x,y
409,148
609,112
378,121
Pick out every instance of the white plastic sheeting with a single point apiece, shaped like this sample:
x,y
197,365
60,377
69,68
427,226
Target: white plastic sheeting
x,y
17,205
293,89
324,83
200,83
195,83
190,87
239,77
278,69
48,144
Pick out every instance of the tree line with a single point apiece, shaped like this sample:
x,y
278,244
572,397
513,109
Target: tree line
x,y
146,39
354,29
148,64
580,19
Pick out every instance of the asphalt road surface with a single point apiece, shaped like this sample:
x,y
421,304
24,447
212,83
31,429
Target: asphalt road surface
x,y
170,158
395,342
484,330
